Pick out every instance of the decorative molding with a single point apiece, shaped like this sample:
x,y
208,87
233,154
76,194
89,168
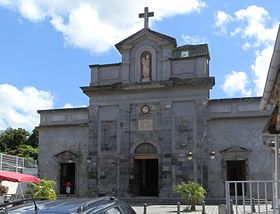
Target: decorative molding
x,y
67,156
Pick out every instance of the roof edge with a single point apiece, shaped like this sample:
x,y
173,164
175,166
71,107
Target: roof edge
x,y
272,73
121,43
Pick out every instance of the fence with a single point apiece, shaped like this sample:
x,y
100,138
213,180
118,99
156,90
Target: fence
x,y
252,196
15,163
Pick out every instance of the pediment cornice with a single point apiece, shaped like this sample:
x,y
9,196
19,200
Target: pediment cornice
x,y
146,33
235,149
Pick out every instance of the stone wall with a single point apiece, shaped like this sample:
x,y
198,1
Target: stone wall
x,y
234,130
63,138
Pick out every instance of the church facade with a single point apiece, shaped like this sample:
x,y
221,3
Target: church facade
x,y
150,124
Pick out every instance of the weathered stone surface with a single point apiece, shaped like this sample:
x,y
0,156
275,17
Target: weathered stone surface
x,y
105,136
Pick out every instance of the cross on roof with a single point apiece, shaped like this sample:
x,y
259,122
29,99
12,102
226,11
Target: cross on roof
x,y
146,16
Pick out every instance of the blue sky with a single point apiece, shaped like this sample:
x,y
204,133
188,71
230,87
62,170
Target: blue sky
x,y
46,46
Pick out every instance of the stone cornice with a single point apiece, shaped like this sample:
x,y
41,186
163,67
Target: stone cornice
x,y
203,82
62,110
104,65
63,125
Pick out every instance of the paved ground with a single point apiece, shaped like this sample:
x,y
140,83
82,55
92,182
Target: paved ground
x,y
169,209
163,209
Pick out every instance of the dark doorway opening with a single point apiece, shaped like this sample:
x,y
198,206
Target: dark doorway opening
x,y
146,177
67,174
236,171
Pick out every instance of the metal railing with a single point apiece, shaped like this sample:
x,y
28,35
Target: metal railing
x,y
15,163
251,196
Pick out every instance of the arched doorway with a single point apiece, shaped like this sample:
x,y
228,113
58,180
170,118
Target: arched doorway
x,y
145,170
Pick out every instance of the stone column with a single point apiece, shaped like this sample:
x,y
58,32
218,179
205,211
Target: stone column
x,y
93,152
124,152
201,142
167,166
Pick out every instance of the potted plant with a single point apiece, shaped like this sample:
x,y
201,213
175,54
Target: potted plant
x,y
191,192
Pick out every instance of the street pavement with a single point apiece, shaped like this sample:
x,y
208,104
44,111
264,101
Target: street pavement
x,y
167,209
209,209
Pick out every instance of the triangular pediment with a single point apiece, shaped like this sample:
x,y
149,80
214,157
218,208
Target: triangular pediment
x,y
235,149
146,33
66,156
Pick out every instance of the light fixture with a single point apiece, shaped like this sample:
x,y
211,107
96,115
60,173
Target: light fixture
x,y
88,159
272,146
189,155
212,154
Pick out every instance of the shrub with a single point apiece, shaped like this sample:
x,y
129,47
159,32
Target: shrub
x,y
45,189
191,192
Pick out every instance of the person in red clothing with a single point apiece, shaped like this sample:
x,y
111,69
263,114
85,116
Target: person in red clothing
x,y
68,187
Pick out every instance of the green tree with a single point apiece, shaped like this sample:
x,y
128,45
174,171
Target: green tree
x,y
25,151
191,192
20,142
33,139
45,189
13,138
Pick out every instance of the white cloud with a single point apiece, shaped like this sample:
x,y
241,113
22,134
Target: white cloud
x,y
222,19
19,107
260,68
258,31
256,19
85,29
235,83
68,105
30,10
98,25
171,8
193,40
246,46
6,3
251,23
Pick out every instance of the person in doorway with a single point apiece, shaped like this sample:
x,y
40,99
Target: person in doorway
x,y
68,186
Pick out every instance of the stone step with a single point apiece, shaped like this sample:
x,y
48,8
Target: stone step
x,y
168,201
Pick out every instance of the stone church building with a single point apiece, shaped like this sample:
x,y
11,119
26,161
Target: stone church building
x,y
150,124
